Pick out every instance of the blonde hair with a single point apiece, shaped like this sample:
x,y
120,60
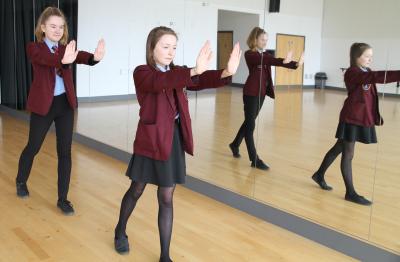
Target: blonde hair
x,y
254,34
44,16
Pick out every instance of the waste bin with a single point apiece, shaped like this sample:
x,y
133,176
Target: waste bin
x,y
320,80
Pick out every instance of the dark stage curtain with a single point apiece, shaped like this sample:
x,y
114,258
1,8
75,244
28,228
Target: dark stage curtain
x,y
17,24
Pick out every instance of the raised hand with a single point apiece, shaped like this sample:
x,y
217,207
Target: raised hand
x,y
100,50
289,57
234,61
204,58
70,53
301,60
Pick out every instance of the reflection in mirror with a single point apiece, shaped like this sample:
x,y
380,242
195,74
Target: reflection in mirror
x,y
386,182
219,112
103,91
300,126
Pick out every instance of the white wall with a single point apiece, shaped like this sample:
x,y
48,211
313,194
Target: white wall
x,y
299,18
241,24
330,27
125,24
372,21
98,18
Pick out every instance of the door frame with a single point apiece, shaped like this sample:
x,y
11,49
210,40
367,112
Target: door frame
x,y
276,51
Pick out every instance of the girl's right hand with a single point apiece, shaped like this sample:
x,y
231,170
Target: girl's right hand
x,y
203,59
70,53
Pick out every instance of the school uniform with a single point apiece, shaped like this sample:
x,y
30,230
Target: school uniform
x,y
164,131
256,70
360,112
257,86
51,99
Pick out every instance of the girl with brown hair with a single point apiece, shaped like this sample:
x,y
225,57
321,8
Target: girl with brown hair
x,y
164,131
359,115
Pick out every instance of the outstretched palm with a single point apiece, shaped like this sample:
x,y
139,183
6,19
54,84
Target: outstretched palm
x,y
289,57
234,59
204,58
100,50
70,53
301,60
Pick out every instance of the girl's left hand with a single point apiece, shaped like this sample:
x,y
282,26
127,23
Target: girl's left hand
x,y
100,50
234,60
289,57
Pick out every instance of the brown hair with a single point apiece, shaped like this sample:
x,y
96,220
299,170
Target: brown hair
x,y
152,40
254,34
51,11
356,50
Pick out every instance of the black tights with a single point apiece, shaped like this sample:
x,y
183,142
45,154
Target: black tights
x,y
165,213
347,150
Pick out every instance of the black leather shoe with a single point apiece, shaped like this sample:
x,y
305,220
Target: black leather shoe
x,y
66,207
235,151
321,182
259,164
355,198
121,245
22,190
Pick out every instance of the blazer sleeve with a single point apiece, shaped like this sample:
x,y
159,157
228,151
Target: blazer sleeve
x,y
270,60
355,77
39,56
253,58
149,80
86,58
209,79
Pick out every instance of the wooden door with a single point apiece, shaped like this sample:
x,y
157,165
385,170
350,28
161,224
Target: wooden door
x,y
224,49
284,43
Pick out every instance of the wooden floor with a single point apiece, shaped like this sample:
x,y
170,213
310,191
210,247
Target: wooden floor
x,y
293,134
34,230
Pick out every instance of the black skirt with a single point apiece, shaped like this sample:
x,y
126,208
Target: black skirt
x,y
353,133
161,173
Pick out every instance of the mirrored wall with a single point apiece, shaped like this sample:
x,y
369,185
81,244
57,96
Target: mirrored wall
x,y
292,133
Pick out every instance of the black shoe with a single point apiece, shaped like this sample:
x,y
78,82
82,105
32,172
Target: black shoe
x,y
66,207
321,182
165,259
355,198
235,151
22,190
121,245
259,164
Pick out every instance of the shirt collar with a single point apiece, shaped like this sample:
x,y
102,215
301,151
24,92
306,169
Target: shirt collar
x,y
364,69
163,68
50,43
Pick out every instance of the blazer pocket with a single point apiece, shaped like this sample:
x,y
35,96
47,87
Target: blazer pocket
x,y
147,137
357,111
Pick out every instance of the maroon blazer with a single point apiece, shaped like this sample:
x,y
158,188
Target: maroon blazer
x,y
361,106
44,76
154,91
253,61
